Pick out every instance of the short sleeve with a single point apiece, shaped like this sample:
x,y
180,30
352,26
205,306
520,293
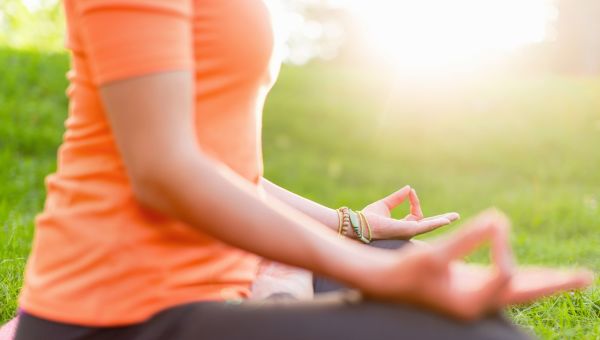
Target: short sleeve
x,y
129,38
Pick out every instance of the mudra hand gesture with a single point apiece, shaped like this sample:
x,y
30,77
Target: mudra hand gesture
x,y
384,226
435,278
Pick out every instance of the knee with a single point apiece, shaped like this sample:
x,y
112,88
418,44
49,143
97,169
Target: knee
x,y
498,327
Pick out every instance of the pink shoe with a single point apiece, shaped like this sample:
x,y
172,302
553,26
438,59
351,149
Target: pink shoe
x,y
7,331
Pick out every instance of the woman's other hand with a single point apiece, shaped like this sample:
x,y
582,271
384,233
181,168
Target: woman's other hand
x,y
435,278
384,226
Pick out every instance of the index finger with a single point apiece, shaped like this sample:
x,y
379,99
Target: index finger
x,y
489,225
415,205
532,283
394,199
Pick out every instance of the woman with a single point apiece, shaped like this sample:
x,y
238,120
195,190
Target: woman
x,y
158,204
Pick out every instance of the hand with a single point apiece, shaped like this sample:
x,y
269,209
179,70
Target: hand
x,y
274,278
433,277
526,284
384,227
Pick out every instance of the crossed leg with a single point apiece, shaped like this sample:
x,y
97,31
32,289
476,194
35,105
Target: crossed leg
x,y
339,314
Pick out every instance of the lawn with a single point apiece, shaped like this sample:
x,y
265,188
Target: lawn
x,y
345,135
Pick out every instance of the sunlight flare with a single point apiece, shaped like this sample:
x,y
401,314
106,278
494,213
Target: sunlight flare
x,y
429,34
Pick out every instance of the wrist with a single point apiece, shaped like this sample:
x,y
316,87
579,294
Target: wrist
x,y
354,225
332,220
366,268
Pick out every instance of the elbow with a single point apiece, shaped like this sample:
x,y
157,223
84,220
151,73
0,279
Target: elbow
x,y
164,184
150,189
160,183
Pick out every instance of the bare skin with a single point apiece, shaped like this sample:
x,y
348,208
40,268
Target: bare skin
x,y
378,213
153,115
276,277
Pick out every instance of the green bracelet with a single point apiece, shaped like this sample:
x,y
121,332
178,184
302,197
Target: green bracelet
x,y
355,223
356,226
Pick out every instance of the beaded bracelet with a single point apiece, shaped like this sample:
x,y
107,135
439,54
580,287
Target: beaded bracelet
x,y
344,221
357,220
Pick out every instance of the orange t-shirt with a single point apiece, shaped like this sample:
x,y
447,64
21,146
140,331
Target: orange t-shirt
x,y
98,258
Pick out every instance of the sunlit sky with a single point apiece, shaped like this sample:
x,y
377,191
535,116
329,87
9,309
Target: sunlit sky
x,y
442,33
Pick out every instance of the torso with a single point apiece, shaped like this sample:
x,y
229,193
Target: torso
x,y
100,259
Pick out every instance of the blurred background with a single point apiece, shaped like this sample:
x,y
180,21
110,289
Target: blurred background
x,y
475,103
418,36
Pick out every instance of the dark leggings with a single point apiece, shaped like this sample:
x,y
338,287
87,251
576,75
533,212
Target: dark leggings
x,y
339,314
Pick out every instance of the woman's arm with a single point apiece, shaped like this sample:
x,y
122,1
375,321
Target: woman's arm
x,y
378,213
152,121
321,213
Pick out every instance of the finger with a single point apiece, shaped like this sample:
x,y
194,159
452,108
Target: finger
x,y
487,297
415,205
533,283
476,290
467,239
391,228
393,200
501,251
411,217
423,226
449,216
483,297
452,216
489,225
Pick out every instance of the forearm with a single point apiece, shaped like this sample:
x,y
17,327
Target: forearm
x,y
152,119
220,203
321,213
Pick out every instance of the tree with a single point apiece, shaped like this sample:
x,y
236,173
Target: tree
x,y
36,24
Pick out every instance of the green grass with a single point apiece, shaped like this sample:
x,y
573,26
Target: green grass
x,y
346,136
32,111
